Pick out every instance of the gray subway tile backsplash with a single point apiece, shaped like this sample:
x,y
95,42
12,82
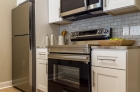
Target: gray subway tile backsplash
x,y
115,22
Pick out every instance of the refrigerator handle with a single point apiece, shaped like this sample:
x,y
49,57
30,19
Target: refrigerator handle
x,y
30,30
30,43
30,26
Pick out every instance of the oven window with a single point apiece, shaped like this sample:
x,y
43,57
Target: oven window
x,y
67,75
67,5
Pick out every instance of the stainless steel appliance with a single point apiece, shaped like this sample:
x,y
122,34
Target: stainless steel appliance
x,y
69,72
69,66
23,48
94,34
81,9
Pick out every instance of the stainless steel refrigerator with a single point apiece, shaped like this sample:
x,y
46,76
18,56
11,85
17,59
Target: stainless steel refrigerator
x,y
23,47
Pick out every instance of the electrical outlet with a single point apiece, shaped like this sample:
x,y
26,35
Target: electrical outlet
x,y
126,31
135,30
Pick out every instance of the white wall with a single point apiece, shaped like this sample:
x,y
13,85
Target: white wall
x,y
20,1
42,26
6,39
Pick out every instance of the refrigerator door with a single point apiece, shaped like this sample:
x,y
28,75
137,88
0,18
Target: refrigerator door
x,y
21,19
22,63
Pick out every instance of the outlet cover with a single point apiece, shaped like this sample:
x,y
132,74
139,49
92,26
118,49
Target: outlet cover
x,y
135,30
126,31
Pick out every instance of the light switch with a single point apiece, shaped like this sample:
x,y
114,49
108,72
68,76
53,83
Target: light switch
x,y
126,31
135,30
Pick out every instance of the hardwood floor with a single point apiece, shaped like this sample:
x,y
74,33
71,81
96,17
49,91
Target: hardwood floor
x,y
9,90
13,90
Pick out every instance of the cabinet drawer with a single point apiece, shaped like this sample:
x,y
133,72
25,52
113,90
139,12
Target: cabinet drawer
x,y
42,53
109,58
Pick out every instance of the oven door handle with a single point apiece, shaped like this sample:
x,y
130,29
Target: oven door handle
x,y
73,57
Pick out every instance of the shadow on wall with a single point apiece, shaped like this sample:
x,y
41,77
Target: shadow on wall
x,y
55,30
43,28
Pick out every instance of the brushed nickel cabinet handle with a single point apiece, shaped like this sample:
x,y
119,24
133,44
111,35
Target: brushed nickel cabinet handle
x,y
46,68
93,79
108,59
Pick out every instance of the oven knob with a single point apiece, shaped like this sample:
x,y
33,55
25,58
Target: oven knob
x,y
105,31
72,34
99,31
76,34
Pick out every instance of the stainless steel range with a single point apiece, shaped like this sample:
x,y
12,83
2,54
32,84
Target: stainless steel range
x,y
69,66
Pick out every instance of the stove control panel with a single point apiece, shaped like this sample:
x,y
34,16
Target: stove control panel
x,y
95,34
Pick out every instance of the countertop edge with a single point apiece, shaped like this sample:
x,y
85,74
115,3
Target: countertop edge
x,y
115,47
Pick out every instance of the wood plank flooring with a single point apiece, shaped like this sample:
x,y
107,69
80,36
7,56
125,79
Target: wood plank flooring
x,y
13,90
9,90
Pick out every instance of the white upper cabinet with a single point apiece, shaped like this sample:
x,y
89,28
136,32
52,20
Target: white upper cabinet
x,y
54,13
116,7
20,1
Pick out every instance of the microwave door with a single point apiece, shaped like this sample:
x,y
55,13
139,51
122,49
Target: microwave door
x,y
69,7
94,4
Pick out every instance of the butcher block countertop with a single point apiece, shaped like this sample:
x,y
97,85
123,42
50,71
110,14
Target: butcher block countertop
x,y
116,47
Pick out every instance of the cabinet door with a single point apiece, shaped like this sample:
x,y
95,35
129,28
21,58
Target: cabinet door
x,y
116,4
42,76
108,80
54,11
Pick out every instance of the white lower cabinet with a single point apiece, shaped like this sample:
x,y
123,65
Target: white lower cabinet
x,y
116,70
42,70
42,76
108,80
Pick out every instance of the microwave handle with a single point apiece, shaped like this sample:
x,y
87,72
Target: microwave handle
x,y
86,6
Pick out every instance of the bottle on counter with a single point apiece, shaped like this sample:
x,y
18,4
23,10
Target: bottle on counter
x,y
47,40
61,40
52,39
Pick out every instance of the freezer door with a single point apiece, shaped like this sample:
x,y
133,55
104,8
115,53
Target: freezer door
x,y
21,19
22,63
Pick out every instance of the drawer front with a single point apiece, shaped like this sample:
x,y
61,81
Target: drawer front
x,y
109,58
42,53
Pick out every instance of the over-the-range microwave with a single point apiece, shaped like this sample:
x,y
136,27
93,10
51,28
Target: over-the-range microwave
x,y
81,9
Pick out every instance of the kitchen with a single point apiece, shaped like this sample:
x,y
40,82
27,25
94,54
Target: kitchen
x,y
109,64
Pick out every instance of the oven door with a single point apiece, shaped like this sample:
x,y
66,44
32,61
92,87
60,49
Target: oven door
x,y
68,73
94,4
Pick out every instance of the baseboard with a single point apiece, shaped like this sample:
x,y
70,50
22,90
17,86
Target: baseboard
x,y
6,84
